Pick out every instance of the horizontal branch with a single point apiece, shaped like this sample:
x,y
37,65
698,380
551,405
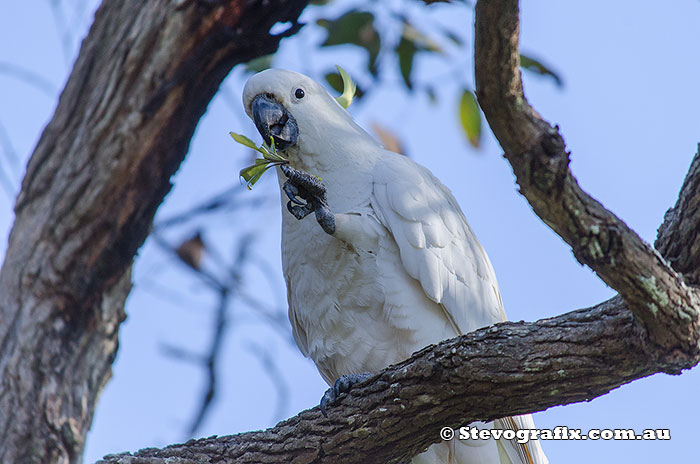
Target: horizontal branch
x,y
510,368
536,151
502,370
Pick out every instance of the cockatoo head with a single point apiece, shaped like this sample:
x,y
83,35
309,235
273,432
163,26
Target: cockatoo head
x,y
295,110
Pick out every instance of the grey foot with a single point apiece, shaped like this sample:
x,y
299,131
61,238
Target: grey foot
x,y
303,185
342,385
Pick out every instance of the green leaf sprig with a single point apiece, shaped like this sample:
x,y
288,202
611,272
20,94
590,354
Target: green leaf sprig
x,y
270,158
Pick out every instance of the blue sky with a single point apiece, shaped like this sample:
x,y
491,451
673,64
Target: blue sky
x,y
628,113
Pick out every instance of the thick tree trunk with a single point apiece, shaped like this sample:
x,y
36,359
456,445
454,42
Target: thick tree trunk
x,y
144,77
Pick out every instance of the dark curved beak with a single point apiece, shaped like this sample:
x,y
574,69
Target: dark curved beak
x,y
273,120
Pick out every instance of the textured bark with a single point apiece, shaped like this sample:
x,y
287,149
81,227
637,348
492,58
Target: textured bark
x,y
144,77
680,231
510,368
653,290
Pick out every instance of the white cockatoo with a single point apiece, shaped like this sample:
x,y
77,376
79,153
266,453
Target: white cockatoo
x,y
390,264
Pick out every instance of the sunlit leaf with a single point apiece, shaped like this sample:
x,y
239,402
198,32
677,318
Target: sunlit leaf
x,y
536,66
356,28
470,116
251,174
243,140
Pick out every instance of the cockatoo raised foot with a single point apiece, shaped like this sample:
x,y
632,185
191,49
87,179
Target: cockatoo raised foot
x,y
311,189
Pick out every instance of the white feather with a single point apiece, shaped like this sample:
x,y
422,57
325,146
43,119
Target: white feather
x,y
403,269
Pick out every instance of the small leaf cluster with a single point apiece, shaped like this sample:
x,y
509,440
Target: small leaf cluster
x,y
270,158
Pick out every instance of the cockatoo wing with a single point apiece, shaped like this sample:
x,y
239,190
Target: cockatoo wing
x,y
437,246
439,249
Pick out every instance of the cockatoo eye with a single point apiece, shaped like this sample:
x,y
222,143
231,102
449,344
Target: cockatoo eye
x,y
299,93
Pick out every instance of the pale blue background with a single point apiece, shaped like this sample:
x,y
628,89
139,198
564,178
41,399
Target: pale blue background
x,y
629,113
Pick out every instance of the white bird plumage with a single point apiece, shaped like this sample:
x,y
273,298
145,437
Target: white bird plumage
x,y
402,270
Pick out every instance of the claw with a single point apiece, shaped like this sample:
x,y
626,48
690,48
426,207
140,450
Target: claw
x,y
292,193
342,385
310,188
300,212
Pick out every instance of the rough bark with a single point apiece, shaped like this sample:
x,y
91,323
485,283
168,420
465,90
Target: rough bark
x,y
679,232
122,127
654,291
144,77
510,368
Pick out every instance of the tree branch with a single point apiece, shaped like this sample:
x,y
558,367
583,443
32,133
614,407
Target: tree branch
x,y
144,76
655,293
103,164
510,368
678,238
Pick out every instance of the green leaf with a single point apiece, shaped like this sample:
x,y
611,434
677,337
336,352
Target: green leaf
x,y
470,116
335,81
535,66
355,28
254,172
406,51
260,63
349,89
251,174
412,41
243,140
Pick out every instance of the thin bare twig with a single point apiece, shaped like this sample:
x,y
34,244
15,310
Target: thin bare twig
x,y
8,171
29,77
64,33
273,372
210,361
